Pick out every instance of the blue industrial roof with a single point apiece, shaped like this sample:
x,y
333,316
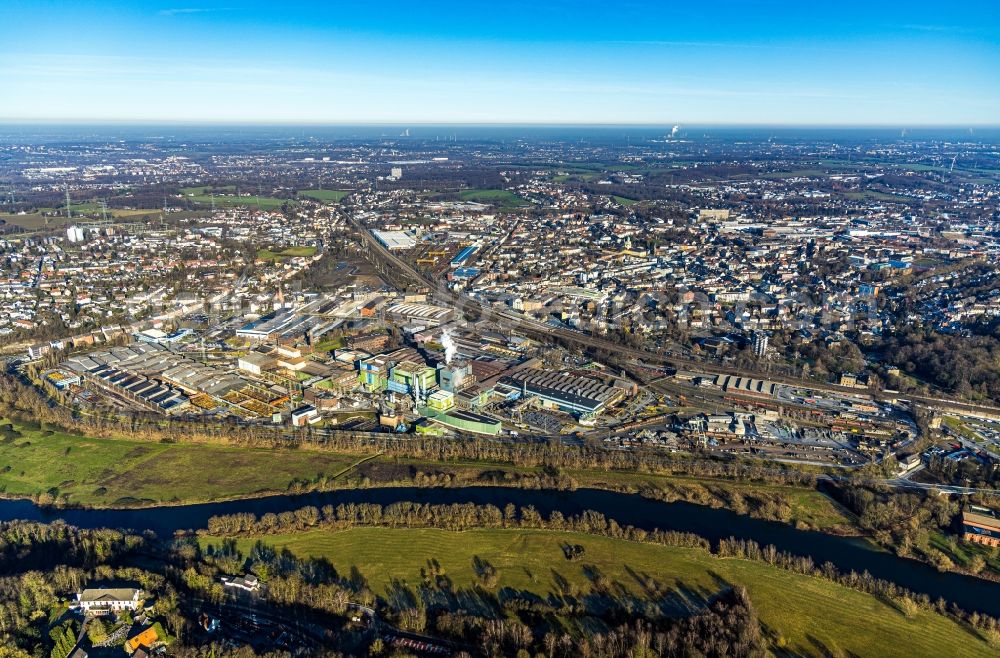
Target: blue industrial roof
x,y
464,255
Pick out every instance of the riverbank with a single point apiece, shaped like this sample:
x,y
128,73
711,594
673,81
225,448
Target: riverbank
x,y
846,554
73,471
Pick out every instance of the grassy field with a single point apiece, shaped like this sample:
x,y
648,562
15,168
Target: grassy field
x,y
103,472
34,221
872,195
623,201
99,472
331,196
501,197
265,202
83,208
957,426
812,616
204,189
288,252
202,196
328,344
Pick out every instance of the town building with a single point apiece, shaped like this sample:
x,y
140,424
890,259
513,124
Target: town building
x,y
395,240
247,583
306,414
146,638
441,400
980,525
103,600
759,344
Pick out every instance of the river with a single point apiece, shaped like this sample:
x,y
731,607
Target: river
x,y
845,553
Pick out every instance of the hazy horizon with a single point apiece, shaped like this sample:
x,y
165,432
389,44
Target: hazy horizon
x,y
541,63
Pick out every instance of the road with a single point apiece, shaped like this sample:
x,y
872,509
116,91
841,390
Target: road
x,y
971,445
385,261
903,483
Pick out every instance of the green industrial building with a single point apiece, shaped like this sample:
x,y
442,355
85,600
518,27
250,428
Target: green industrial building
x,y
463,421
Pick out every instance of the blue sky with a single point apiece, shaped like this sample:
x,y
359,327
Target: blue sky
x,y
547,61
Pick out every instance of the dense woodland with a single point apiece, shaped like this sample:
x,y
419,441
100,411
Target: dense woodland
x,y
26,545
727,627
968,366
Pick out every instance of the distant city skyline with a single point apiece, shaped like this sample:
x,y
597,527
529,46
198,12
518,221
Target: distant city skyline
x,y
547,62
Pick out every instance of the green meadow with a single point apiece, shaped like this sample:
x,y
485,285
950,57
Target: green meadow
x,y
110,472
501,197
288,252
803,615
202,195
328,196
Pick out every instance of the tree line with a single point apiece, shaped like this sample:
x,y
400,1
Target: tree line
x,y
457,516
26,545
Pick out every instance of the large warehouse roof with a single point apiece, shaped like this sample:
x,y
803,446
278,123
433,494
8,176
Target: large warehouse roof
x,y
392,240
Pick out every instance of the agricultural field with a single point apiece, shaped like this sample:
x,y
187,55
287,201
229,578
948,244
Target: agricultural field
x,y
500,197
81,211
873,195
328,196
624,201
133,213
289,252
110,472
802,615
581,176
35,221
232,197
94,210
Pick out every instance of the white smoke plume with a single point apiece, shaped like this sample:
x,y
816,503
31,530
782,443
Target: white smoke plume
x,y
674,131
449,346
